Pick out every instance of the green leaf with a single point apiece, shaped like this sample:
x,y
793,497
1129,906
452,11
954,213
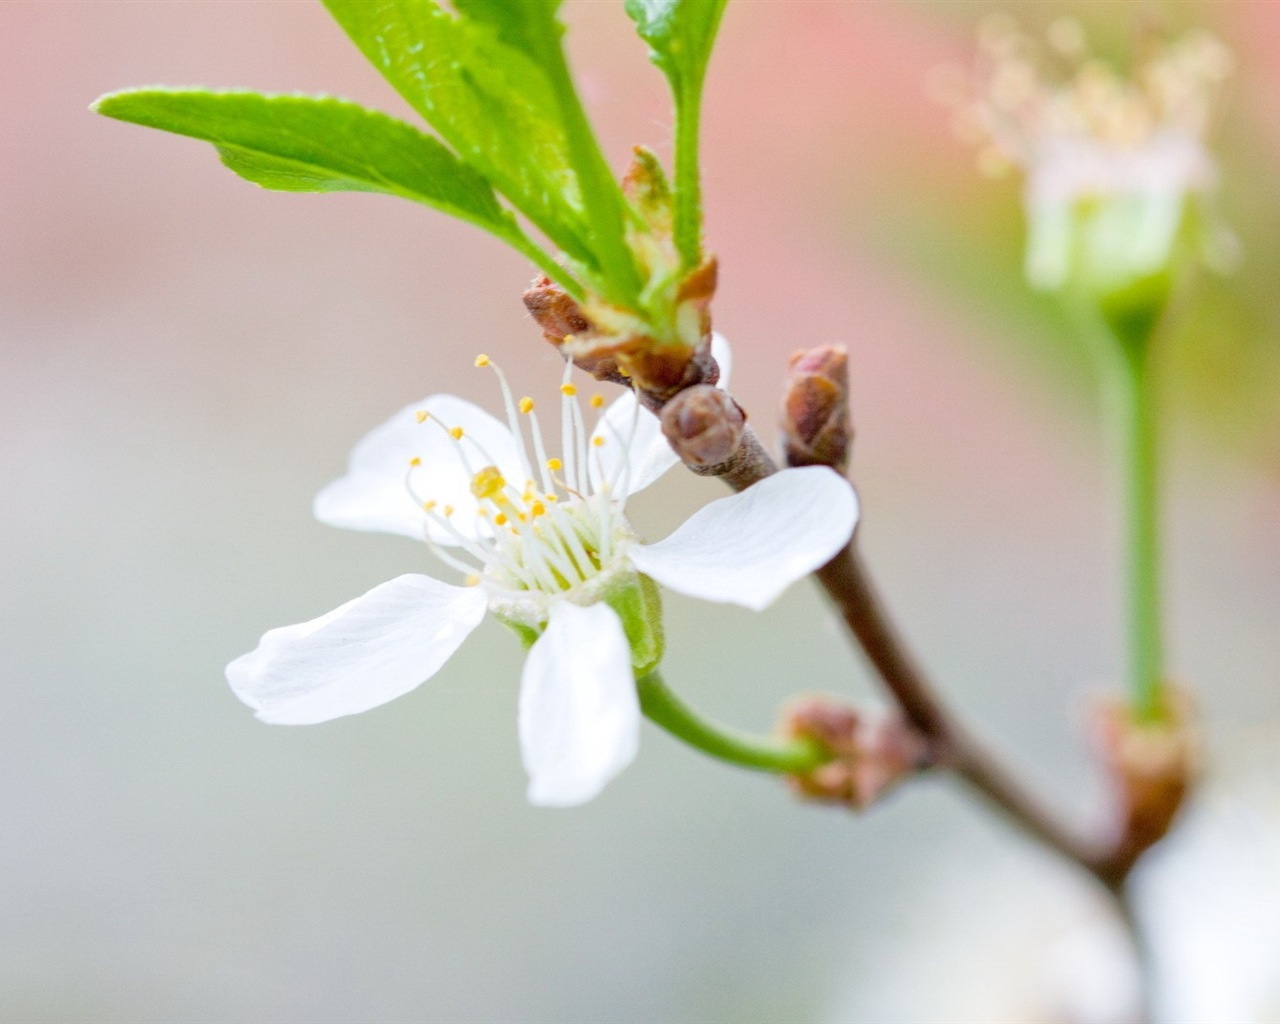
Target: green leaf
x,y
528,25
317,144
681,34
489,100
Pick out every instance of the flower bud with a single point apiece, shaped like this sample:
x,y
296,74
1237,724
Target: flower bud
x,y
703,425
815,425
869,755
1118,177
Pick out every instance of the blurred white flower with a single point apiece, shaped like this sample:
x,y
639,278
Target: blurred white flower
x,y
1111,162
544,544
1007,938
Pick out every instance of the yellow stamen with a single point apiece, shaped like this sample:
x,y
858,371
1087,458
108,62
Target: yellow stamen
x,y
421,415
598,440
448,511
555,465
568,390
538,509
597,401
568,339
472,580
487,483
482,360
526,405
415,461
551,497
522,517
428,506
500,519
455,433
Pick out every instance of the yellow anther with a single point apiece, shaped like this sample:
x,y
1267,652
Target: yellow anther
x,y
568,340
487,483
472,580
551,498
597,401
522,517
421,415
598,440
555,465
527,496
415,461
568,390
428,506
482,360
500,519
448,511
526,405
455,433
538,509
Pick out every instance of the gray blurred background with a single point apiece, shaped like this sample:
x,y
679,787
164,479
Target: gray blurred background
x,y
185,360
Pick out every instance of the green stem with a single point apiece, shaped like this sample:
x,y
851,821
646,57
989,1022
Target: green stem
x,y
1135,415
688,187
600,191
763,753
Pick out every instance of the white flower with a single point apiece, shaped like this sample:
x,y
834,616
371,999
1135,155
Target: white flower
x,y
1110,162
544,544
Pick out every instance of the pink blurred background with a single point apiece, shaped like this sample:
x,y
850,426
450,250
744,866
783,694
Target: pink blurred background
x,y
185,360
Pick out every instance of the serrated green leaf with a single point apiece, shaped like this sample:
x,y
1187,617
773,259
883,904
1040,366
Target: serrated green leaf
x,y
489,100
681,34
317,144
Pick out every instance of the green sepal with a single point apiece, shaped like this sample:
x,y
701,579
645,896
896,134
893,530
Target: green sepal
x,y
638,604
639,607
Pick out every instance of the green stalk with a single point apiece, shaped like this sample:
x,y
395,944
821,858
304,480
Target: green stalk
x,y
1135,416
600,191
763,753
688,187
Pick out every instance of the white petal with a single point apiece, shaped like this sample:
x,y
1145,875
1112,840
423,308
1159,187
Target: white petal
x,y
748,548
579,713
724,357
362,654
635,452
373,494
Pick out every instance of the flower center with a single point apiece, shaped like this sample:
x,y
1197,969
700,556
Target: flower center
x,y
554,529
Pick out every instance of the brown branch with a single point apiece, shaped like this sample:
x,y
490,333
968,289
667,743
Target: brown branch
x,y
847,583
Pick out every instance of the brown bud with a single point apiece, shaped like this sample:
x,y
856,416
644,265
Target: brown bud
x,y
1150,765
556,312
562,321
869,755
814,423
703,425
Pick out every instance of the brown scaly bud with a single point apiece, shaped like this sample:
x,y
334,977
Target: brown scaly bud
x,y
561,320
703,425
1150,766
870,756
814,423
